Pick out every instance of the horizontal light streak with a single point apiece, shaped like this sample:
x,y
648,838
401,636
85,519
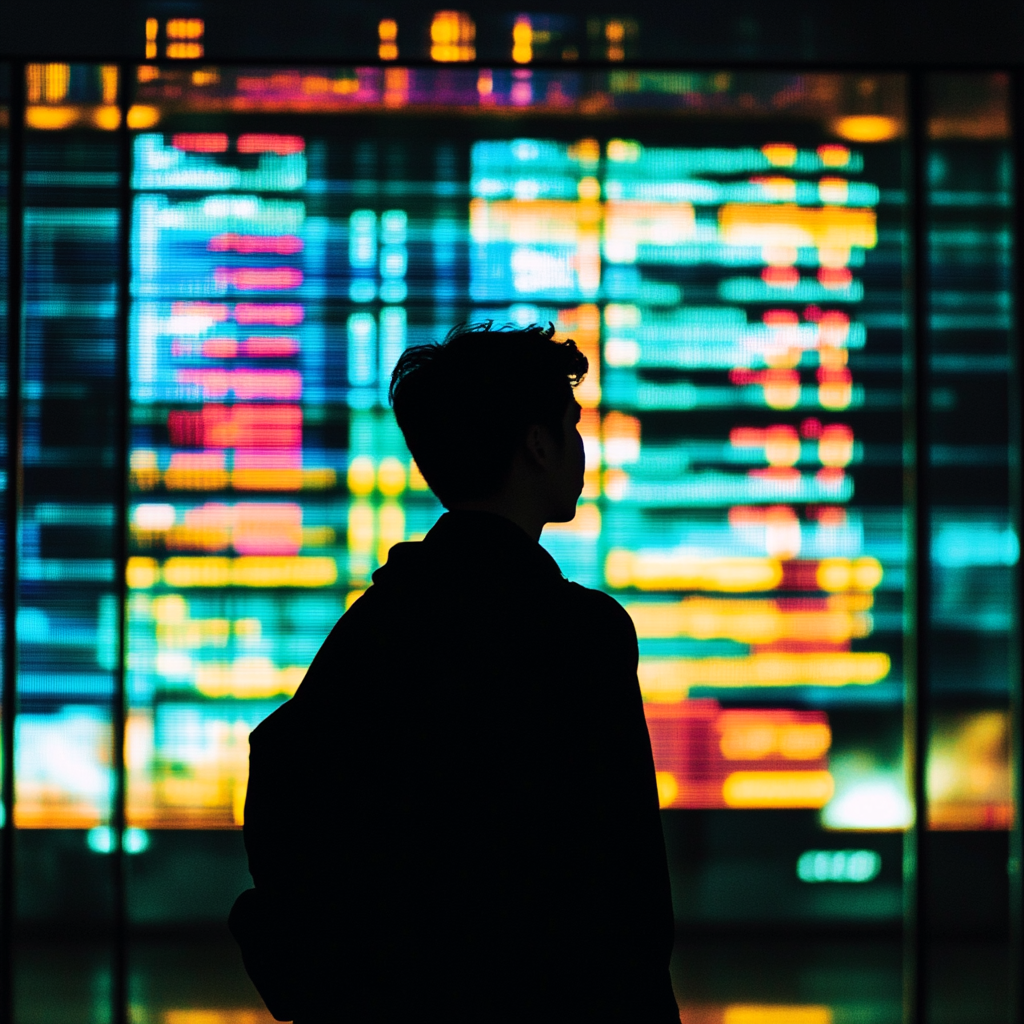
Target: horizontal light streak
x,y
671,679
778,789
282,145
206,476
237,426
254,279
247,678
244,571
652,569
748,735
827,227
648,570
757,1013
200,142
281,245
753,621
249,527
532,221
283,385
280,314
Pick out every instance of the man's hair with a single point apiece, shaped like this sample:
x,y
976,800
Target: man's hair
x,y
465,405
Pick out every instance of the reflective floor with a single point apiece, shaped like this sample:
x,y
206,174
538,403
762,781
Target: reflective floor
x,y
200,980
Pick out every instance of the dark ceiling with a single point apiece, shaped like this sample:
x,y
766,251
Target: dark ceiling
x,y
736,31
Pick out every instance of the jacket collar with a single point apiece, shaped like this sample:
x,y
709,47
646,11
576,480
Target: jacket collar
x,y
474,544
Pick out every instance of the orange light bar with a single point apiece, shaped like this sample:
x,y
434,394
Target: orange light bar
x,y
778,789
750,622
826,227
650,570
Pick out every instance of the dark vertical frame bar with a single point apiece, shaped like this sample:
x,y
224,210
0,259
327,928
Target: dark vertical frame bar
x,y
1016,952
917,697
119,986
16,143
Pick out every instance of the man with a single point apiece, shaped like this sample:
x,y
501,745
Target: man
x,y
455,819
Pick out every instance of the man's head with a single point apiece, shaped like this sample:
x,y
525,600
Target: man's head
x,y
486,406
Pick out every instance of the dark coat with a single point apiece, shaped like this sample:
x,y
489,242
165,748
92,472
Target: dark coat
x,y
455,818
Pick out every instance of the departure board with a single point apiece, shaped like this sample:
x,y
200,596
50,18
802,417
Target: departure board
x,y
735,276
731,252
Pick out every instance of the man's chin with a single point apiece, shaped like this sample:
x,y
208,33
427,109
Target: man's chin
x,y
565,515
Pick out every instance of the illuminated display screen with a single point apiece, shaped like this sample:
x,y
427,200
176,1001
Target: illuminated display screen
x,y
723,290
729,250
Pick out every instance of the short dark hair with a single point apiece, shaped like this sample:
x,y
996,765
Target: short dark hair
x,y
465,404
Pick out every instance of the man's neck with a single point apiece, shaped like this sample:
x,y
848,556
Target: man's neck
x,y
525,517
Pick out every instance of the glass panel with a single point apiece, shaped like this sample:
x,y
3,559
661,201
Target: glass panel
x,y
4,255
728,249
67,612
975,546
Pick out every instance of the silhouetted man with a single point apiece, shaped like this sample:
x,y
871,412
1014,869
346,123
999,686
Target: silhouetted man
x,y
455,819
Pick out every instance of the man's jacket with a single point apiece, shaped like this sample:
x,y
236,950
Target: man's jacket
x,y
456,818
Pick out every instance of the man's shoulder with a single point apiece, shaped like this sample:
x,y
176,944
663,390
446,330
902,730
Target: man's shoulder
x,y
601,608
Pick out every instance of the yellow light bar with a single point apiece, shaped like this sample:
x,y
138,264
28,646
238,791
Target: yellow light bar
x,y
52,118
106,117
247,678
777,789
667,680
827,227
671,571
753,1013
867,128
749,622
245,571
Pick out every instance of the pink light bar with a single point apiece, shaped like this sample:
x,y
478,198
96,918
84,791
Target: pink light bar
x,y
268,458
228,348
200,142
285,314
270,346
280,144
245,384
197,460
252,279
282,245
218,348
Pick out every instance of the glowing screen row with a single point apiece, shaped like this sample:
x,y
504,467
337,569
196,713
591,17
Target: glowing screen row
x,y
740,289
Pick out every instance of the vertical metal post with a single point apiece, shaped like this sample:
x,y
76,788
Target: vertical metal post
x,y
119,988
1016,404
917,874
12,506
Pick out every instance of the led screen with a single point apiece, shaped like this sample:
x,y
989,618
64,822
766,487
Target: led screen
x,y
731,251
735,276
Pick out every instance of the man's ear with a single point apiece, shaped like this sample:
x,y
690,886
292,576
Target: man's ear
x,y
538,444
